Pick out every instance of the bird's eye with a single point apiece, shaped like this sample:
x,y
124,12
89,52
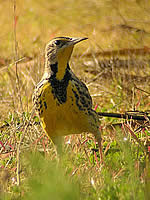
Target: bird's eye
x,y
57,42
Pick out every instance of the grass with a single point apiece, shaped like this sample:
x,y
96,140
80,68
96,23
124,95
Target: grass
x,y
29,168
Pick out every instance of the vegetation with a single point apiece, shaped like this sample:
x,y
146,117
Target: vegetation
x,y
114,64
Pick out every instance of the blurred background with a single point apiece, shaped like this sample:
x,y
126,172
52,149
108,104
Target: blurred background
x,y
108,24
115,65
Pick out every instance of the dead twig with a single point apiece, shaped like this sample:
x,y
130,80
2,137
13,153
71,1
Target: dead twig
x,y
141,116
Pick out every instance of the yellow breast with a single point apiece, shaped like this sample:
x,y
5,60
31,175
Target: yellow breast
x,y
62,118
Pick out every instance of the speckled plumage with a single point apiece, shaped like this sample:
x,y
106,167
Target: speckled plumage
x,y
61,100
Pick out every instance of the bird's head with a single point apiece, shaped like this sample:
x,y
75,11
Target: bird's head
x,y
58,52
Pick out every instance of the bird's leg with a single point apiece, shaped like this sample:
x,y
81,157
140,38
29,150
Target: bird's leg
x,y
58,140
99,140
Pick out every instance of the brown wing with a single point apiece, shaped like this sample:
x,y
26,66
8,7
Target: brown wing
x,y
81,92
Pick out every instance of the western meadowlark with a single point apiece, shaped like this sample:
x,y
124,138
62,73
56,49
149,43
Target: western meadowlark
x,y
61,100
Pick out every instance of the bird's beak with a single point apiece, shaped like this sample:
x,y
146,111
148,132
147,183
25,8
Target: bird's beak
x,y
77,40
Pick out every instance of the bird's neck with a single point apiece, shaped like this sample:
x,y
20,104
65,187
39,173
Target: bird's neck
x,y
63,58
56,70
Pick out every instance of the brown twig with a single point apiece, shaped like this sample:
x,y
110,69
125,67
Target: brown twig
x,y
122,52
16,56
19,145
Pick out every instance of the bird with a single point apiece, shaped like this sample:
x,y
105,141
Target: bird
x,y
61,100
